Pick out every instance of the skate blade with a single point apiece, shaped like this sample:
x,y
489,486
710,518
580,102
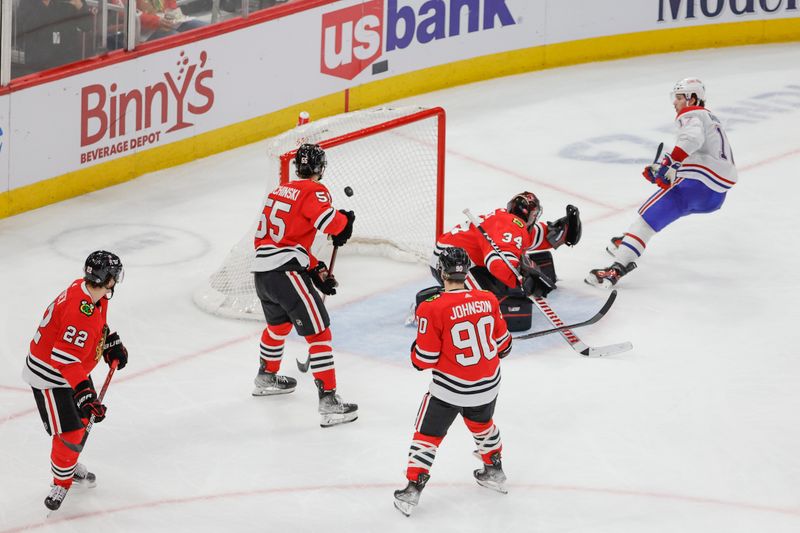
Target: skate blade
x,y
492,485
337,419
270,392
605,284
612,250
84,484
403,507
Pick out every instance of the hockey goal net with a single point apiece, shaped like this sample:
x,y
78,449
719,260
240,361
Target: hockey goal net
x,y
393,161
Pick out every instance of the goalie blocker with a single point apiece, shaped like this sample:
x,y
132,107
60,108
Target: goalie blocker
x,y
515,304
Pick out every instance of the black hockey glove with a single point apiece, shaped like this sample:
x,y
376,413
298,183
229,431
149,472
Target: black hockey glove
x,y
113,350
323,280
566,230
535,282
87,403
344,235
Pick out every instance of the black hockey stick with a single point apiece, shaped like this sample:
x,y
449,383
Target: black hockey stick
x,y
78,448
541,304
302,366
597,316
658,153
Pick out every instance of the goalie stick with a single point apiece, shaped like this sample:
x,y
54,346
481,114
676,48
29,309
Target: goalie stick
x,y
558,325
597,316
78,448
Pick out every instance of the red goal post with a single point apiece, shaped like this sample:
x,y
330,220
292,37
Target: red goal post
x,y
393,160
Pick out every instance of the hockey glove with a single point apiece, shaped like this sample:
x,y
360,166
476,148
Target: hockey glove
x,y
662,174
566,230
535,282
323,280
344,235
113,350
87,403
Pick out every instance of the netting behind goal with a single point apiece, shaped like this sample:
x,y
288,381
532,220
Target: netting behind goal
x,y
391,158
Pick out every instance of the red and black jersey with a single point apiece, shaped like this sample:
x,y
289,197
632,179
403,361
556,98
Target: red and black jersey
x,y
69,341
292,215
460,335
509,234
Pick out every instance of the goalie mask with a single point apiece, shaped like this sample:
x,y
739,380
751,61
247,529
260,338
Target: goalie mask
x,y
309,161
101,267
526,206
688,87
453,264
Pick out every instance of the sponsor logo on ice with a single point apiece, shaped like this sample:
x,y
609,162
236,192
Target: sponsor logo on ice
x,y
354,37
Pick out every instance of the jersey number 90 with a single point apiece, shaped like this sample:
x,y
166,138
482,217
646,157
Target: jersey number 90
x,y
476,339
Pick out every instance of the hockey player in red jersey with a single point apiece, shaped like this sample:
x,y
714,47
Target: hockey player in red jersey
x,y
693,178
288,276
461,337
70,340
516,230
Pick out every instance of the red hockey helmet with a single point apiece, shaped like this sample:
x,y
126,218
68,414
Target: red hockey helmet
x,y
526,206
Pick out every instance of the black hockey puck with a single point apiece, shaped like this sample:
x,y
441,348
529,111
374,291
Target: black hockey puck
x,y
348,191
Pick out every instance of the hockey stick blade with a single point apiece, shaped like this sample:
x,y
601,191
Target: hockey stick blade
x,y
303,366
611,349
600,314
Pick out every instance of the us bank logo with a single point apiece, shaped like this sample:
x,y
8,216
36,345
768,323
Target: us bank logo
x,y
355,37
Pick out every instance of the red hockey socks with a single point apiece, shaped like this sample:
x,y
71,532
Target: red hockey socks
x,y
421,455
272,341
487,438
320,355
62,459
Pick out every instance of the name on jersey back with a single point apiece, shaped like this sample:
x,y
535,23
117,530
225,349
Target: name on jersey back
x,y
471,308
287,192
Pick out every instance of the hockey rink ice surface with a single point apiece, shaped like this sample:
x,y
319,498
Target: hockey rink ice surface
x,y
695,430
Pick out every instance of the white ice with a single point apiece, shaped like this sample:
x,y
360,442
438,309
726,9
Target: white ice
x,y
695,430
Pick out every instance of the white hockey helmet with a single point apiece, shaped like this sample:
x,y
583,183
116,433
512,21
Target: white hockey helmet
x,y
688,87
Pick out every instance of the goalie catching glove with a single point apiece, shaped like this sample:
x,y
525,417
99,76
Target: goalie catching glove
x,y
566,230
343,236
323,279
535,282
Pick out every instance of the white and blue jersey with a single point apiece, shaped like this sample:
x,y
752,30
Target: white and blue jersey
x,y
707,172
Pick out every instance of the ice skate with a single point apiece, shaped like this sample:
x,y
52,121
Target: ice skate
x,y
613,246
492,476
269,384
608,277
56,497
406,499
83,477
331,408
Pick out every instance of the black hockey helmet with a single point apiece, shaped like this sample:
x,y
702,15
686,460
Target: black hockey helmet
x,y
310,160
101,266
526,206
453,264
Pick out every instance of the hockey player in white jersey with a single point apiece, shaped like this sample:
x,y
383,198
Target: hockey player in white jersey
x,y
693,178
